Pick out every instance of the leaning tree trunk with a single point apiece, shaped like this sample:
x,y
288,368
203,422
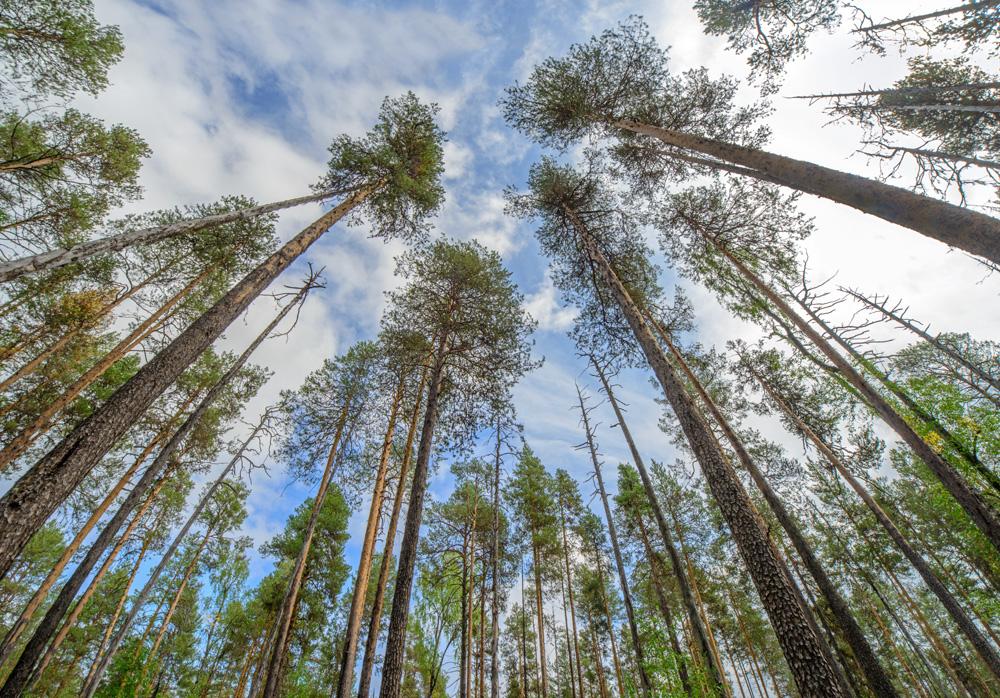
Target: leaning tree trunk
x,y
40,491
973,232
54,259
813,674
346,681
982,646
286,616
166,456
967,7
385,567
640,657
878,679
392,669
979,511
19,444
147,589
715,673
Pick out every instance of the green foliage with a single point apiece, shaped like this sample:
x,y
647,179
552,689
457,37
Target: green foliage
x,y
55,47
403,158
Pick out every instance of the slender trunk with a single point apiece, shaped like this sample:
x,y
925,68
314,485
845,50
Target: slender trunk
x,y
572,600
19,444
392,670
715,673
602,683
640,658
878,679
57,346
346,681
375,623
758,677
463,641
655,564
569,642
982,646
900,657
165,455
976,233
919,412
967,7
907,91
33,498
977,509
813,674
495,577
482,634
177,596
54,259
536,564
524,639
598,555
286,616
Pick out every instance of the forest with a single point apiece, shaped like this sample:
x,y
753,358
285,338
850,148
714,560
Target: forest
x,y
815,513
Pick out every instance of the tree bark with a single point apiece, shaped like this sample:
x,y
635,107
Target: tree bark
x,y
374,625
640,657
392,669
878,679
346,681
978,510
982,646
813,674
572,600
536,564
286,616
54,259
715,673
33,498
495,577
975,233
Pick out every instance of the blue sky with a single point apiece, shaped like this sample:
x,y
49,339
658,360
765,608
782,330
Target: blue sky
x,y
244,96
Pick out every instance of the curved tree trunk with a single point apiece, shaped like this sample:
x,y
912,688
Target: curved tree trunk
x,y
813,674
54,259
33,498
975,233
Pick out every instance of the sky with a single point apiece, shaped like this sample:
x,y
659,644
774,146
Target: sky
x,y
243,97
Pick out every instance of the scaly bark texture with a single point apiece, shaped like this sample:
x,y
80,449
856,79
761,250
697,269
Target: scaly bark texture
x,y
973,232
878,679
33,498
812,673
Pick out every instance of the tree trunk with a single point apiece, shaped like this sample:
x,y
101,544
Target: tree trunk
x,y
602,683
33,498
495,577
346,681
42,592
375,622
640,658
463,640
962,620
536,564
655,564
54,259
286,616
19,444
907,91
975,233
878,679
160,462
978,5
977,509
392,669
569,643
177,597
813,674
715,673
572,601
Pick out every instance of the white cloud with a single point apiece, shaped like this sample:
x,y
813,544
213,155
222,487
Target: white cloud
x,y
543,306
